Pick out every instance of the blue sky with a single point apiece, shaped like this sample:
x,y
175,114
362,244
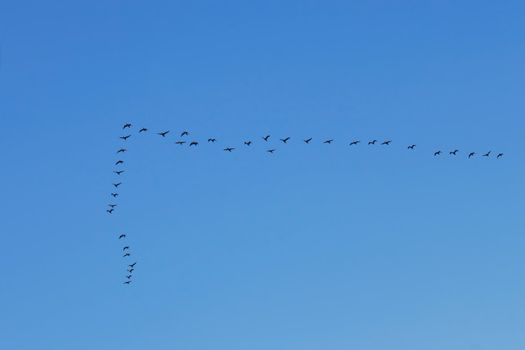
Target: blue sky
x,y
313,247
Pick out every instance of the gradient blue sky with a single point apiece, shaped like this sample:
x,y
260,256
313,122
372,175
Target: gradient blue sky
x,y
315,247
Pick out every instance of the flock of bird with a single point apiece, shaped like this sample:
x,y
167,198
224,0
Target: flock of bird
x,y
184,139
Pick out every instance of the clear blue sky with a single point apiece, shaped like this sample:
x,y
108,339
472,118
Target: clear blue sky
x,y
315,247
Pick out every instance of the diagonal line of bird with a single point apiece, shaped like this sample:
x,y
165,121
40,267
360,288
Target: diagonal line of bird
x,y
184,139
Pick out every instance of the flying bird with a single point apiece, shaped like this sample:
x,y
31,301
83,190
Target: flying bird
x,y
122,150
411,147
328,141
125,248
387,142
471,154
247,143
285,140
114,194
112,205
354,142
271,151
119,162
194,143
131,270
437,153
143,130
119,172
125,137
129,276
127,282
454,152
265,138
163,133
184,133
307,140
110,211
125,255
132,265
229,149
127,125
122,236
372,142
117,184
487,154
211,140
499,155
180,142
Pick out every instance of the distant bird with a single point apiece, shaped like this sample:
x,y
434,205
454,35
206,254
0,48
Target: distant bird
x,y
411,147
307,140
247,143
110,211
127,282
127,125
132,265
454,152
211,140
271,151
164,133
114,194
387,142
125,248
143,130
119,172
194,143
499,155
180,142
125,255
354,142
119,162
131,270
437,153
122,150
487,154
329,141
112,205
122,236
265,138
129,276
125,137
184,133
285,140
117,184
229,149
372,142
471,154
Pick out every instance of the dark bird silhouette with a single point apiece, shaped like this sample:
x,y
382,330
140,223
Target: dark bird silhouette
x,y
132,265
122,236
125,255
372,142
127,282
194,143
125,137
114,194
143,130
129,276
437,153
229,149
112,205
110,211
125,248
411,147
307,140
454,152
119,172
499,155
329,141
119,162
271,151
164,133
131,270
180,142
117,184
212,140
247,143
354,142
122,150
387,142
265,138
285,140
471,154
127,125
487,154
184,133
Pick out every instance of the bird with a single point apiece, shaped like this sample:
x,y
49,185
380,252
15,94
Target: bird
x,y
131,270
122,150
127,282
454,152
387,142
125,255
229,149
328,141
114,194
372,142
126,247
487,154
499,155
132,265
110,211
194,143
211,140
119,172
119,162
122,236
112,205
127,125
285,140
129,276
354,142
471,154
247,143
437,153
125,137
143,130
411,147
117,184
265,138
271,151
184,133
180,142
163,133
307,140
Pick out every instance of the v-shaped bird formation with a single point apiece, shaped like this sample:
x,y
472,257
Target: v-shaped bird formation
x,y
184,139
